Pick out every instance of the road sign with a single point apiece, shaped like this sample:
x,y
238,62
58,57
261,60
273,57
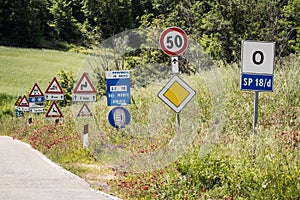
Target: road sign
x,y
173,41
258,57
84,111
174,63
118,88
18,102
119,117
36,91
257,82
23,105
257,65
54,91
54,111
176,93
36,99
19,113
84,90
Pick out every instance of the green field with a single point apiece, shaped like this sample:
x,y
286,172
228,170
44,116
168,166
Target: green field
x,y
21,68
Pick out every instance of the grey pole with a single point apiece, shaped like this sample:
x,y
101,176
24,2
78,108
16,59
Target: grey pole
x,y
178,121
175,70
255,123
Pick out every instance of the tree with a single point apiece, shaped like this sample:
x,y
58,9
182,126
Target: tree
x,y
63,23
107,18
229,22
67,82
220,25
21,23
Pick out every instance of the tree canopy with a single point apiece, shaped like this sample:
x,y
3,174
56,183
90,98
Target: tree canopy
x,y
217,25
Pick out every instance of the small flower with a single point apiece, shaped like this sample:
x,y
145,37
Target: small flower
x,y
146,187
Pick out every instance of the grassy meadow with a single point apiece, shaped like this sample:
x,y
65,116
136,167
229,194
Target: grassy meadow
x,y
227,171
21,68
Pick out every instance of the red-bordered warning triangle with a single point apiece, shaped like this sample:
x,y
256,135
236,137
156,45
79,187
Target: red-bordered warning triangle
x,y
18,101
84,85
24,102
84,111
36,91
54,111
54,87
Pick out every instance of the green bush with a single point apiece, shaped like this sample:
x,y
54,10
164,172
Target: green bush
x,y
7,106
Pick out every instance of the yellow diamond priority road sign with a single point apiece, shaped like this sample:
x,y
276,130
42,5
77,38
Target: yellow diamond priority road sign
x,y
176,93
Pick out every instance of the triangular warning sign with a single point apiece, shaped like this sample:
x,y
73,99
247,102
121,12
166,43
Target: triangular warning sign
x,y
54,111
84,85
18,101
24,102
84,111
54,87
36,91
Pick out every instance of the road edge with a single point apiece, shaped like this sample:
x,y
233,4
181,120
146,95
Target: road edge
x,y
60,168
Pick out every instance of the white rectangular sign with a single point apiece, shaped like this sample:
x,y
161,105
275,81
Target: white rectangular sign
x,y
84,97
117,74
37,110
54,97
258,57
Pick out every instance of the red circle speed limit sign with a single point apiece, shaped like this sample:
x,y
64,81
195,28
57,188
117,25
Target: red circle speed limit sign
x,y
173,41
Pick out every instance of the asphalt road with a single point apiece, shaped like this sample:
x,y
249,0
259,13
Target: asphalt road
x,y
26,174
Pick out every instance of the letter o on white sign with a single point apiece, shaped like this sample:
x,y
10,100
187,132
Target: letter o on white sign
x,y
258,57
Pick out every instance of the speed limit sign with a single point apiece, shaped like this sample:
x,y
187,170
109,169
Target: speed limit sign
x,y
173,41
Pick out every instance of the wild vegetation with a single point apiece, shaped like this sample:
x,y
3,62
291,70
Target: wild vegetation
x,y
227,171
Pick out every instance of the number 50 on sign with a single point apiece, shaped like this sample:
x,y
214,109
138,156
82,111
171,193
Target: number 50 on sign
x,y
173,41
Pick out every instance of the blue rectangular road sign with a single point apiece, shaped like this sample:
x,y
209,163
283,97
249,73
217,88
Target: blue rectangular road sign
x,y
39,99
257,82
118,88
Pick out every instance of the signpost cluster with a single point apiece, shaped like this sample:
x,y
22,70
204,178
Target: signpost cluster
x,y
176,93
257,74
83,93
36,99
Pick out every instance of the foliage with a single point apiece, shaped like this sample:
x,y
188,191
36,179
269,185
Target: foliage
x,y
21,22
227,172
60,142
64,24
67,82
230,22
6,103
219,26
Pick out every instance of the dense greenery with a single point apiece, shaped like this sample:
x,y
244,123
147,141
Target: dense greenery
x,y
227,172
6,104
218,25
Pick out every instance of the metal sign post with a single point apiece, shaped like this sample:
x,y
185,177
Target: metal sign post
x,y
176,93
255,119
257,74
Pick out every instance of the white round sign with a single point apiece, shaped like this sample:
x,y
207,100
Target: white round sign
x,y
258,57
173,41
